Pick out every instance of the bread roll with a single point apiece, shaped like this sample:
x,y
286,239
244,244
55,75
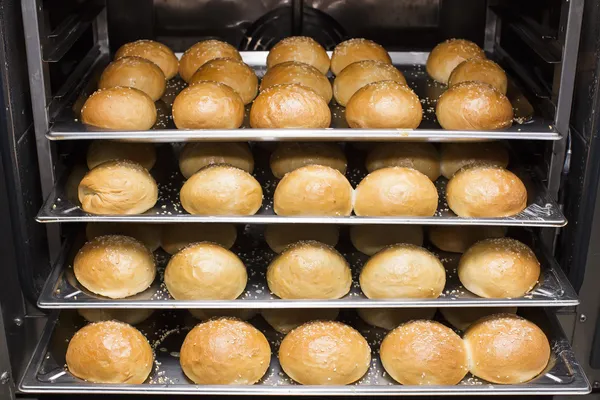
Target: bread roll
x,y
177,236
454,156
118,187
506,349
463,317
196,156
457,239
284,320
225,351
299,73
361,73
153,51
355,50
110,352
420,156
201,53
290,156
395,191
208,105
480,70
302,49
221,190
369,239
390,318
203,315
101,151
313,190
499,268
448,55
472,106
309,270
148,234
76,174
279,236
324,353
384,105
403,271
119,108
424,353
479,191
134,72
230,72
131,316
114,266
289,106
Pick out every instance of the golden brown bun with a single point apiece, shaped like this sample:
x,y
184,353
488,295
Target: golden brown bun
x,y
420,156
424,353
225,351
313,190
389,318
114,266
485,191
177,236
463,317
309,270
230,72
300,73
290,156
131,316
134,72
361,73
301,49
355,50
499,268
101,151
324,353
395,191
289,106
369,239
148,234
201,53
205,271
110,352
196,156
156,52
221,190
208,105
284,320
119,108
72,184
118,187
384,105
448,55
217,313
506,349
472,106
279,236
480,70
457,239
454,156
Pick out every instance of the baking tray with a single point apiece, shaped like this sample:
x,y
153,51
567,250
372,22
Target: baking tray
x,y
167,329
528,124
541,211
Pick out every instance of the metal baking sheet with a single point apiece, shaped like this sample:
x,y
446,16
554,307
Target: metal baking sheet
x,y
528,125
166,330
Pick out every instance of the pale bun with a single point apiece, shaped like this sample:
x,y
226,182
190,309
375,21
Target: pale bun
x,y
148,234
313,190
153,51
299,73
289,106
289,156
110,352
454,156
201,53
448,55
284,320
205,271
309,270
354,50
131,316
118,187
384,105
506,349
134,72
221,190
324,353
477,191
177,236
420,156
280,236
463,317
301,49
396,191
370,239
390,318
101,151
76,174
424,353
196,156
403,271
499,268
231,72
480,70
244,314
225,351
208,105
474,106
119,108
457,239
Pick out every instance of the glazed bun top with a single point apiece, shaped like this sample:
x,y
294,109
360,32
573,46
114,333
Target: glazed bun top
x,y
301,49
201,53
354,50
448,55
156,52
